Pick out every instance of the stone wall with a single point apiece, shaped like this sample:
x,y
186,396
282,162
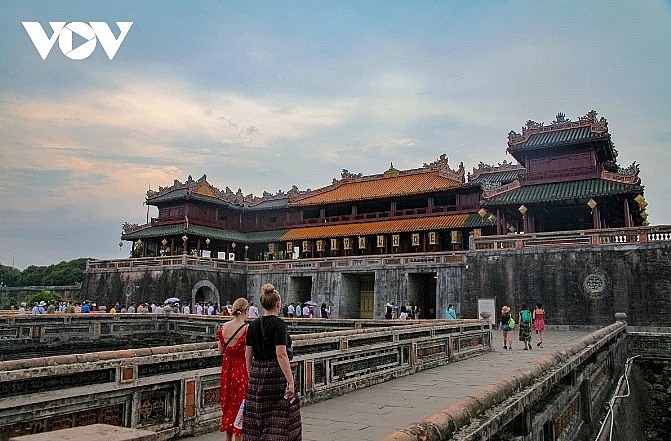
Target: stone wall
x,y
157,284
578,285
586,285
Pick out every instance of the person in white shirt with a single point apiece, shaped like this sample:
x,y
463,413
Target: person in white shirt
x,y
186,309
299,310
253,311
210,309
199,309
291,310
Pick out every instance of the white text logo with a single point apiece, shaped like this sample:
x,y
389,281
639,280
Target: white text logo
x,y
90,32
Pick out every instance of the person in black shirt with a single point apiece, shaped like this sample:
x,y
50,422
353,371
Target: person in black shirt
x,y
272,407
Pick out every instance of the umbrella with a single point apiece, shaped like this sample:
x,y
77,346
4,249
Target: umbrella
x,y
171,300
311,303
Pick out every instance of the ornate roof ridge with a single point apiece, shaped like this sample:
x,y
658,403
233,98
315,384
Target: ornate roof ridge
x,y
504,166
598,126
441,165
203,187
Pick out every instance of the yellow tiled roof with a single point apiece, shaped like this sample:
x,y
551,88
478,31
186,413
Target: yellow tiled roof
x,y
384,187
377,227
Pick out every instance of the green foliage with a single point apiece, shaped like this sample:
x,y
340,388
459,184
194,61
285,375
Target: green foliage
x,y
45,296
10,276
61,274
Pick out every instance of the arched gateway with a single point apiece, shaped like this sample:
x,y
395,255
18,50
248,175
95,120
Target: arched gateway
x,y
204,291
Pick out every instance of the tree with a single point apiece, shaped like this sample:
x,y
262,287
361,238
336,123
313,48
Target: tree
x,y
10,276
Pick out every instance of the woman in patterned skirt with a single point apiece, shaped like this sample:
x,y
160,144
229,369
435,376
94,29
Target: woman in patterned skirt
x,y
231,339
272,407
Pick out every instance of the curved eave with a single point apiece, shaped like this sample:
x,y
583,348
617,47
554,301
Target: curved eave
x,y
379,227
163,231
561,191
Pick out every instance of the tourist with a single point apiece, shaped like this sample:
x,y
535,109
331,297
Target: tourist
x,y
272,407
404,313
539,323
324,311
199,309
231,340
450,313
290,310
22,308
253,311
299,310
505,328
525,327
131,309
70,309
388,311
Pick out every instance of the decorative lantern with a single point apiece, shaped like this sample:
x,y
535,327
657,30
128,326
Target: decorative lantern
x,y
362,242
164,242
207,241
482,212
334,244
290,247
396,240
432,237
522,209
415,239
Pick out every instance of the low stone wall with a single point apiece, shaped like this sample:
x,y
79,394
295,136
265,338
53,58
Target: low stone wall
x,y
174,390
652,349
559,398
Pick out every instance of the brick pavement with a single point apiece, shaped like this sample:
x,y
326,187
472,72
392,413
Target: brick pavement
x,y
371,413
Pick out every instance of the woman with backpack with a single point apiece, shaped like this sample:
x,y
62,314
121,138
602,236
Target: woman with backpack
x,y
525,327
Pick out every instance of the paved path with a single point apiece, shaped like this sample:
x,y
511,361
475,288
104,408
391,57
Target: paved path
x,y
371,413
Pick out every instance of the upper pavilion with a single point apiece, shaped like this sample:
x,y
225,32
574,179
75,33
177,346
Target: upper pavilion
x,y
566,178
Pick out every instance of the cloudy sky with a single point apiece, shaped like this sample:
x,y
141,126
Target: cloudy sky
x,y
265,95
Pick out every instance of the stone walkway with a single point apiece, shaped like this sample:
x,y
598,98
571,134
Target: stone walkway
x,y
371,413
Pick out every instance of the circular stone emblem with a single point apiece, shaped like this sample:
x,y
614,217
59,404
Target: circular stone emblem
x,y
595,283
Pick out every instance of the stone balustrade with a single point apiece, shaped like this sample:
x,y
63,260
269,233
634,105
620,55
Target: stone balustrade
x,y
560,398
174,390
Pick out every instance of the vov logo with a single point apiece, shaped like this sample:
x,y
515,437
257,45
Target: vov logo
x,y
91,32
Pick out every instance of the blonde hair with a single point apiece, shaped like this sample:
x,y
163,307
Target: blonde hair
x,y
269,296
240,306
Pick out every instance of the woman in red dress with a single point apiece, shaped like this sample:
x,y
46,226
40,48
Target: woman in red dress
x,y
539,323
231,338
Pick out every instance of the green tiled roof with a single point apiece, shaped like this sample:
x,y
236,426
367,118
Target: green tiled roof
x,y
210,232
474,220
558,137
559,191
265,236
497,178
161,230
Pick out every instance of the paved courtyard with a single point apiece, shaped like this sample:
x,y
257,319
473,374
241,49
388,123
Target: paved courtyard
x,y
371,413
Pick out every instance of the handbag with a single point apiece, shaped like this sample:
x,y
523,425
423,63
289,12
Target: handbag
x,y
290,348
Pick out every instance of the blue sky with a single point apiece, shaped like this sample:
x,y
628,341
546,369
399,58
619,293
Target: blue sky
x,y
265,95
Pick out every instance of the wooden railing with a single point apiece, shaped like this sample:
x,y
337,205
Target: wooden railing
x,y
560,239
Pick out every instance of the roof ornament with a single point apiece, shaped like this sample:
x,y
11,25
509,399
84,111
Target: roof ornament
x,y
561,118
392,171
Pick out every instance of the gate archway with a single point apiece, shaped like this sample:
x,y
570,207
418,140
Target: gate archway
x,y
204,291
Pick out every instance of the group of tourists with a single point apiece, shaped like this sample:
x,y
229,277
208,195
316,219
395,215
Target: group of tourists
x,y
258,393
405,312
305,310
526,321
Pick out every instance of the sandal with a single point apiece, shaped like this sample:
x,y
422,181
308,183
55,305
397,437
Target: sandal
x,y
510,349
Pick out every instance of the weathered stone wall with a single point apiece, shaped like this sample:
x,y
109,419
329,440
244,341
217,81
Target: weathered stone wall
x,y
157,284
576,286
657,377
583,285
